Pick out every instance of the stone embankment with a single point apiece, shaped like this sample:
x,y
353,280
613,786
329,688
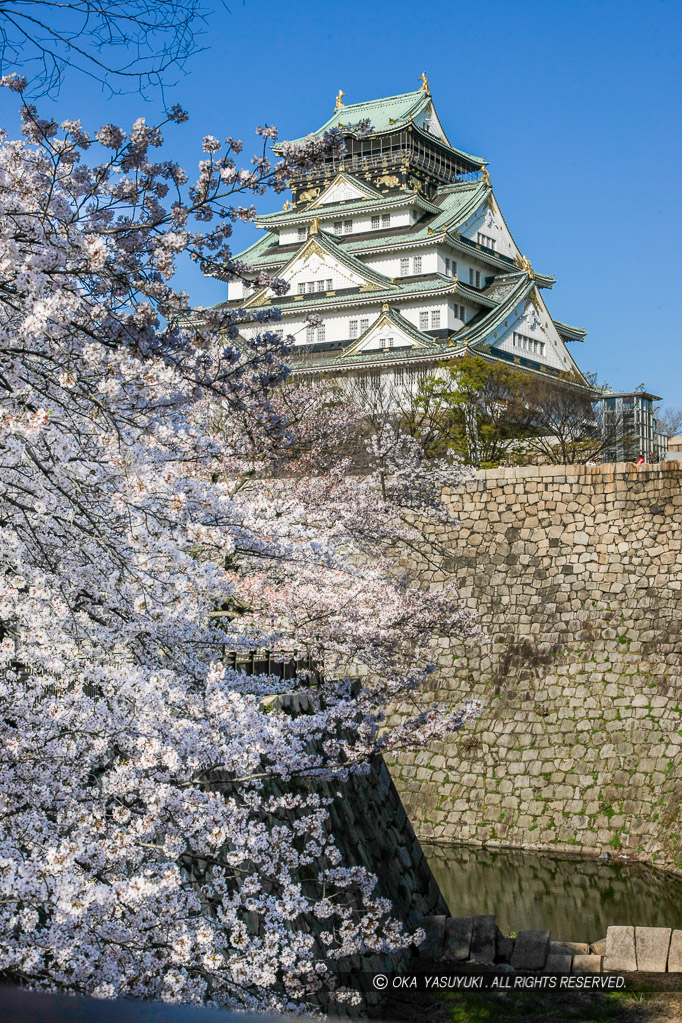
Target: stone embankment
x,y
477,941
576,573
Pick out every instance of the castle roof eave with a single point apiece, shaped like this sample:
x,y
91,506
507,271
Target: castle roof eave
x,y
320,300
404,108
569,332
345,206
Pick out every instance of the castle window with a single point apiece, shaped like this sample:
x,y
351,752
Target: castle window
x,y
320,285
485,239
302,233
454,268
376,223
330,284
310,287
301,289
435,319
352,328
314,335
404,267
364,324
347,226
528,344
338,227
474,277
398,374
423,321
447,266
460,312
382,342
385,219
417,265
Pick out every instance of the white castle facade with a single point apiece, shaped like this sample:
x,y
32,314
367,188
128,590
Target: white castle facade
x,y
402,251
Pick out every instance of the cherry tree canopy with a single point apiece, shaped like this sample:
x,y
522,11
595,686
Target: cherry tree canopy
x,y
151,809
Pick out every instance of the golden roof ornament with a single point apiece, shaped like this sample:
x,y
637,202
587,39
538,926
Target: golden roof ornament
x,y
287,205
315,226
525,265
384,307
339,100
486,176
425,83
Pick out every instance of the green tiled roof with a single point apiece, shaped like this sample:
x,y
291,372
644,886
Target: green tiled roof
x,y
313,301
569,332
519,290
342,207
389,114
459,203
385,114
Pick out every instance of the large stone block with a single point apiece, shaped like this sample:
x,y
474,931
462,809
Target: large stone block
x,y
431,947
620,950
530,950
569,948
675,953
651,946
557,963
587,964
458,931
504,948
483,939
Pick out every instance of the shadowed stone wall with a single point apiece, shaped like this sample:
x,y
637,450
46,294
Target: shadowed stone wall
x,y
577,575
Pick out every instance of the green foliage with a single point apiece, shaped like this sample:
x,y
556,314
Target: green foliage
x,y
490,412
554,1007
472,409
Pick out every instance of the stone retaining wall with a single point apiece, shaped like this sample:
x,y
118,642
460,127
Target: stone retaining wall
x,y
477,941
577,575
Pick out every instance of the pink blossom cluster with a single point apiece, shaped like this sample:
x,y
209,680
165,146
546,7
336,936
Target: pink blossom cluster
x,y
161,835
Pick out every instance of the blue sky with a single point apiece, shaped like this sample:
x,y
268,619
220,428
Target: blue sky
x,y
576,106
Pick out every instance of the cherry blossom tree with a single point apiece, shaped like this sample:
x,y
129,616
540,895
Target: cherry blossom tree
x,y
162,835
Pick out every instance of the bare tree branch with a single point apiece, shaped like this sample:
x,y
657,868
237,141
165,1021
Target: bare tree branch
x,y
126,45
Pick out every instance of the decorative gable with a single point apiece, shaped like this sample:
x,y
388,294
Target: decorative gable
x,y
487,226
532,336
387,333
428,120
321,266
343,188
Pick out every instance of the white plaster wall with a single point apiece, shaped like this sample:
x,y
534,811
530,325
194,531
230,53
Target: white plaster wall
x,y
336,324
465,263
404,216
288,235
443,306
390,265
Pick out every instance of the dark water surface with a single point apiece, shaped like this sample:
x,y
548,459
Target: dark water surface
x,y
576,898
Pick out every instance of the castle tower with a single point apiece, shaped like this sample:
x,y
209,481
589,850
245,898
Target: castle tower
x,y
401,248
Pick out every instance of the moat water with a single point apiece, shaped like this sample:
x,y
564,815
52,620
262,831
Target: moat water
x,y
577,899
